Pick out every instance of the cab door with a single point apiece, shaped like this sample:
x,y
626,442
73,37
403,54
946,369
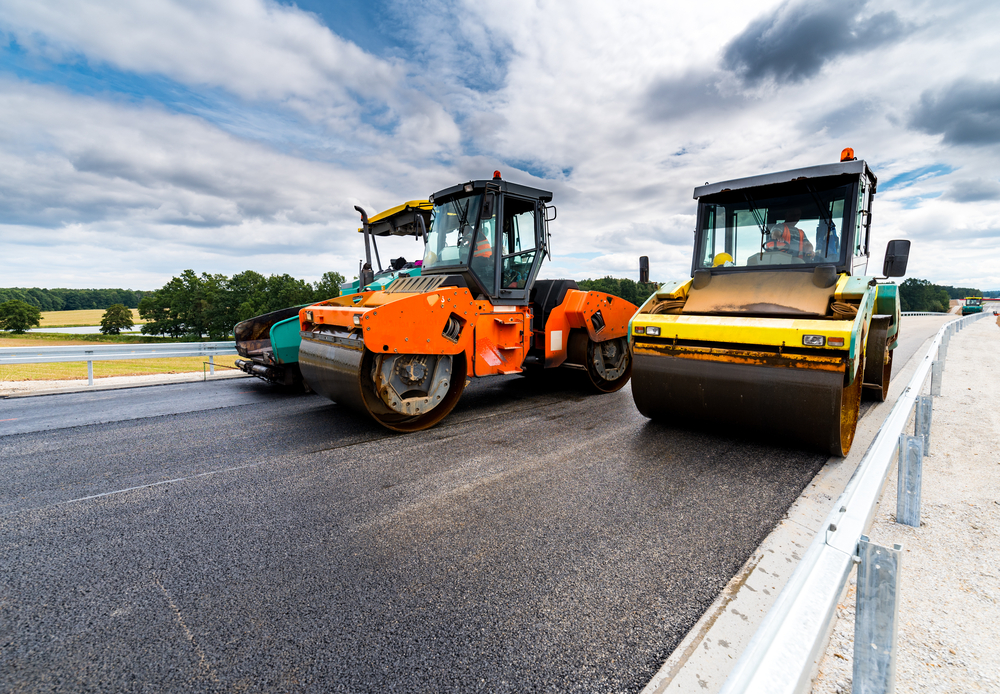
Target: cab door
x,y
520,254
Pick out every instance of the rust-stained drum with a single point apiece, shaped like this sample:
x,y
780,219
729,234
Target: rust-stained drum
x,y
802,405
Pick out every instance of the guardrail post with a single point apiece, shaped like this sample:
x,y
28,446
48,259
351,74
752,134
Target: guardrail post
x,y
911,459
876,621
937,369
90,373
922,421
211,365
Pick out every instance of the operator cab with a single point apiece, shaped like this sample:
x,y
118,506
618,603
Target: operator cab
x,y
805,218
493,234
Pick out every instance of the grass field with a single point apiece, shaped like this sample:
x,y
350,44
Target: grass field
x,y
125,367
70,319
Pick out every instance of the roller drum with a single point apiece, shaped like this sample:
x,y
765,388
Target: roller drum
x,y
806,406
333,369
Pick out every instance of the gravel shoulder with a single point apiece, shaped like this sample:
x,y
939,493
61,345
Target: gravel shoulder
x,y
950,584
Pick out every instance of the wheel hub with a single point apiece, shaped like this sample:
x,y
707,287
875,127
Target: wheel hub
x,y
412,384
610,359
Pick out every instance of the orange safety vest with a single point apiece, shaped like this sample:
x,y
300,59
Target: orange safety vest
x,y
484,249
784,240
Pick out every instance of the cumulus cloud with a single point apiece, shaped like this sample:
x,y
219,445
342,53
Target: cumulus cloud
x,y
973,190
966,113
698,91
81,172
793,42
254,49
257,50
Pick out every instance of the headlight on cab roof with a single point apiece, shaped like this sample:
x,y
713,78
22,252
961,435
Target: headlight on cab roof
x,y
813,340
653,330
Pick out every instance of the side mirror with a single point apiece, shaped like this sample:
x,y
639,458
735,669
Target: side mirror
x,y
896,255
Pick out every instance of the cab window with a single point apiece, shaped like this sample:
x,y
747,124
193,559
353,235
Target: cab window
x,y
518,242
483,262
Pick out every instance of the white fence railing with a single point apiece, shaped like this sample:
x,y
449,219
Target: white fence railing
x,y
102,352
781,657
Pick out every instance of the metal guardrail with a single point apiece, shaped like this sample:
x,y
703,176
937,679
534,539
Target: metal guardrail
x,y
102,352
784,652
924,313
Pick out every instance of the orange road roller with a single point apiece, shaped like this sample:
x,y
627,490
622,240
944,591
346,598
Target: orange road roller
x,y
405,353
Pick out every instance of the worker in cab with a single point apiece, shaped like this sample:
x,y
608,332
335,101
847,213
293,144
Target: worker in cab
x,y
788,238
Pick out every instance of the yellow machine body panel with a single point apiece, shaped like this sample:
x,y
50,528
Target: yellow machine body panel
x,y
776,332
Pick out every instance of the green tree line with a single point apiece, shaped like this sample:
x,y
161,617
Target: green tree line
x,y
210,305
921,295
959,292
630,290
72,299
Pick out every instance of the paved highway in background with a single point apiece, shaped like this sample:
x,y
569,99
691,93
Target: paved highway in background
x,y
226,535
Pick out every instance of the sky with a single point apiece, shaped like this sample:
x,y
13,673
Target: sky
x,y
141,139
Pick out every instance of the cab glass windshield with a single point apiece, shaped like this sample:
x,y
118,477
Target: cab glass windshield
x,y
742,230
453,224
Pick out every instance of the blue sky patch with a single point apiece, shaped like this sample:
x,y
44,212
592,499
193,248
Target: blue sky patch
x,y
923,173
915,201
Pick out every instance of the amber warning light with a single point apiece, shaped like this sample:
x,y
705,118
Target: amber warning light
x,y
847,154
496,175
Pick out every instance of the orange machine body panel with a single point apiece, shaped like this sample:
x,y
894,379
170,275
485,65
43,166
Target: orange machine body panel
x,y
576,312
450,321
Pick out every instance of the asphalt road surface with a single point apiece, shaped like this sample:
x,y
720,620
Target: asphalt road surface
x,y
225,536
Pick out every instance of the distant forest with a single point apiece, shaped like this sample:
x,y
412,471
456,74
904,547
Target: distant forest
x,y
921,295
73,299
625,288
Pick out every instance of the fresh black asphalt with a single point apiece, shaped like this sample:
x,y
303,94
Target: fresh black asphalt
x,y
226,536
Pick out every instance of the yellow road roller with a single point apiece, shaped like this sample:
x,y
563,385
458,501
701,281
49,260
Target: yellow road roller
x,y
779,329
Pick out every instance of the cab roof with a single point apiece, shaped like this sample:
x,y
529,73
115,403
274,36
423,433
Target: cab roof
x,y
855,168
495,183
